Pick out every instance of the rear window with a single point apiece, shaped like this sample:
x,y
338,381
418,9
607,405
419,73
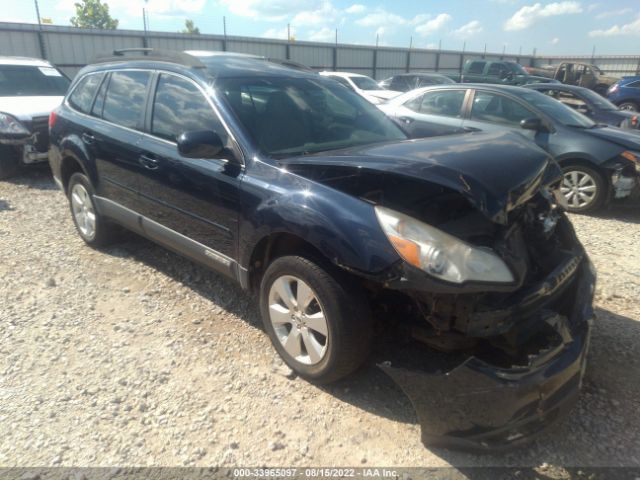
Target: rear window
x,y
125,98
476,67
82,96
28,81
635,84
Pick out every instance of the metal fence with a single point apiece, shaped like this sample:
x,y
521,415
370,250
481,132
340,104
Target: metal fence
x,y
71,48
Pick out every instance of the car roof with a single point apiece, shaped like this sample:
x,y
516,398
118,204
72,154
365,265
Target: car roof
x,y
419,74
341,74
212,64
556,86
478,86
35,62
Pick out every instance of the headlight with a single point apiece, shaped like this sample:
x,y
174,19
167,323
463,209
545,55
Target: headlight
x,y
440,254
9,124
632,156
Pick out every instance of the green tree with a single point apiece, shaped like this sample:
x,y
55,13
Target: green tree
x,y
189,27
93,14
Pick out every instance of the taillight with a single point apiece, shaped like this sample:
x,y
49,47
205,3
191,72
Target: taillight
x,y
634,121
53,116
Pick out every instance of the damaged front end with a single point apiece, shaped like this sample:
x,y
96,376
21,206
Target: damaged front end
x,y
486,315
515,355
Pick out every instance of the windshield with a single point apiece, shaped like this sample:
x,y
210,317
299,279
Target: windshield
x,y
556,110
517,68
24,81
365,83
288,116
598,100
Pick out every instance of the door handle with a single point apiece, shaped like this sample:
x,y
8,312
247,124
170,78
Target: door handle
x,y
406,120
148,162
88,138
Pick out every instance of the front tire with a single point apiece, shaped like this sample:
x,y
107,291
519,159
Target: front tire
x,y
583,187
318,323
90,225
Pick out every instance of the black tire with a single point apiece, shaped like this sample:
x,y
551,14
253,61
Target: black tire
x,y
9,161
629,106
348,319
598,181
103,231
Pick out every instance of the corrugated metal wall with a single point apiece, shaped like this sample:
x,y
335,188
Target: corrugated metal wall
x,y
71,48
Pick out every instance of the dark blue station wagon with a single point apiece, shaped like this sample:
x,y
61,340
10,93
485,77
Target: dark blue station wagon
x,y
456,250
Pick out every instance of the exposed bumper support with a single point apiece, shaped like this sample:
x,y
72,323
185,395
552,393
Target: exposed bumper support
x,y
483,407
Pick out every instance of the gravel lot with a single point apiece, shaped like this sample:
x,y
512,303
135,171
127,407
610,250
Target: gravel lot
x,y
135,356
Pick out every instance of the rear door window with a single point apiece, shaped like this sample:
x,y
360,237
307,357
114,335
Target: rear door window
x,y
178,107
125,97
440,102
82,96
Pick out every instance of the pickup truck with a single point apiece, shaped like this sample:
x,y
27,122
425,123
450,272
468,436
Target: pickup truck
x,y
502,72
580,74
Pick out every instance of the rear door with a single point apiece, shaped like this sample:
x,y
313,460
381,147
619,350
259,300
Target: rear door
x,y
120,103
195,198
433,113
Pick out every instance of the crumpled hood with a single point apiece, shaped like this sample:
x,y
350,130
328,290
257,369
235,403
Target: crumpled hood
x,y
624,138
496,172
26,108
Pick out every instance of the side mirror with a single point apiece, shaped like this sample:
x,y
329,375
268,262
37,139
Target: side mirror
x,y
200,144
534,124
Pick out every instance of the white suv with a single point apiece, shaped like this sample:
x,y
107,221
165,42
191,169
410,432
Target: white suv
x,y
362,85
29,90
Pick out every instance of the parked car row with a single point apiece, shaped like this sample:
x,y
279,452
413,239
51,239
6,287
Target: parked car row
x,y
600,163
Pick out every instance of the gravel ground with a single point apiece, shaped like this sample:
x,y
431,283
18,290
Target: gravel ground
x,y
135,356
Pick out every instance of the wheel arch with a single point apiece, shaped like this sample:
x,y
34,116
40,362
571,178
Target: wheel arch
x,y
68,166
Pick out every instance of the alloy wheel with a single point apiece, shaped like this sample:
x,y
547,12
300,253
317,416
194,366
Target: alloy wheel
x,y
298,320
83,212
579,188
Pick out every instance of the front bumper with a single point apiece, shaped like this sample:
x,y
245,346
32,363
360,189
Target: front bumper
x,y
480,406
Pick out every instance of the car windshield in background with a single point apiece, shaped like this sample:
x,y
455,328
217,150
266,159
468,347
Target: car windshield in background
x,y
26,81
598,100
294,116
365,83
556,110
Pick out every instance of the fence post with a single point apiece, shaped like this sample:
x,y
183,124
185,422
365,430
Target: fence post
x,y
408,65
43,50
335,53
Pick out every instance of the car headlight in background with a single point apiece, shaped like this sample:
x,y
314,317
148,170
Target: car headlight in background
x,y
10,125
632,156
440,254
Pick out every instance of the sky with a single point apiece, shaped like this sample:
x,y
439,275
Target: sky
x,y
551,27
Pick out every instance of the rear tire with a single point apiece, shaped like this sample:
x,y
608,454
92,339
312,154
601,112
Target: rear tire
x,y
9,161
583,187
629,106
318,322
92,227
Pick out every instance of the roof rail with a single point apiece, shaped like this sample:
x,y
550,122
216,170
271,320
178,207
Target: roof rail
x,y
152,54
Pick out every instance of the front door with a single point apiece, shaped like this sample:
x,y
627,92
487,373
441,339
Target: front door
x,y
193,198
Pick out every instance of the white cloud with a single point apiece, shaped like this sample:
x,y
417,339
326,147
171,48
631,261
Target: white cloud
x,y
632,28
554,41
270,10
326,14
530,14
614,13
593,6
420,18
467,30
433,25
380,18
325,34
133,8
356,8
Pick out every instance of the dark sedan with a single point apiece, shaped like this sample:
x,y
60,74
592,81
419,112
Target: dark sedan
x,y
589,103
600,163
405,82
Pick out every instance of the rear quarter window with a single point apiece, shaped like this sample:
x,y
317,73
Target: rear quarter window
x,y
82,96
476,67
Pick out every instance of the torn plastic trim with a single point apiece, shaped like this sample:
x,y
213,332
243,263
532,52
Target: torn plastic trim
x,y
482,407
